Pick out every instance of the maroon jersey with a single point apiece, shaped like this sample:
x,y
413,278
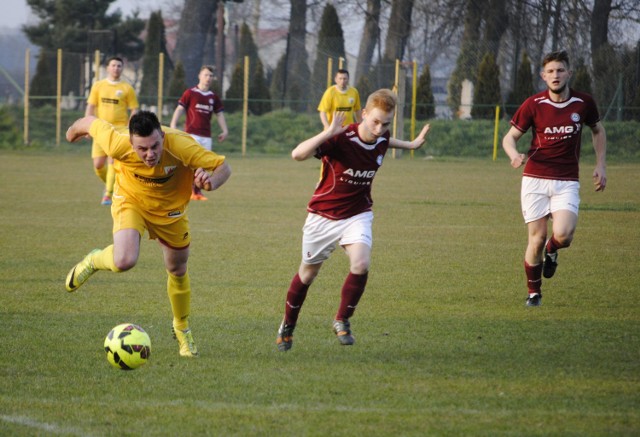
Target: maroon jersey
x,y
557,131
200,105
348,168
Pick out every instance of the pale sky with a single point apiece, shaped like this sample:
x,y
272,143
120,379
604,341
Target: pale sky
x,y
19,13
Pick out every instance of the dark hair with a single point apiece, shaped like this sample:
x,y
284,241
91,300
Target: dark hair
x,y
114,58
342,71
558,56
143,123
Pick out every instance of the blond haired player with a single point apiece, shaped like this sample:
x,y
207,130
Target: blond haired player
x,y
157,166
340,208
112,100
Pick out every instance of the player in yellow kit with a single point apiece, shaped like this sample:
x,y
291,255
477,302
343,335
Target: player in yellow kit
x,y
340,98
112,100
157,166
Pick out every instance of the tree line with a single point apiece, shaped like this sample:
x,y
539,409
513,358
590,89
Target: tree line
x,y
494,44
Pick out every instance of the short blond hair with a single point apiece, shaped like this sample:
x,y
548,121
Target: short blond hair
x,y
383,99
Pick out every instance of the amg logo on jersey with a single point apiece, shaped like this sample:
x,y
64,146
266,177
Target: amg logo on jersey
x,y
561,129
204,108
369,174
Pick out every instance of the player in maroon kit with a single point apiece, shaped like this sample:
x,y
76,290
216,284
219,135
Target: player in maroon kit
x,y
200,103
340,208
550,182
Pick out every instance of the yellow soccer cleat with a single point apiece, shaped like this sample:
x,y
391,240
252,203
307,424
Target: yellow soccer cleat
x,y
81,272
188,346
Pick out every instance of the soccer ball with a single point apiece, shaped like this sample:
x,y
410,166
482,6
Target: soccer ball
x,y
127,346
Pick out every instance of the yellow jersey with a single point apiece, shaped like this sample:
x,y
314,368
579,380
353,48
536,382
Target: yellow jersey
x,y
335,100
112,100
163,190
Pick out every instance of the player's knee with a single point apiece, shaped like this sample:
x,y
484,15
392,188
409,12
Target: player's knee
x,y
360,267
564,240
124,263
180,270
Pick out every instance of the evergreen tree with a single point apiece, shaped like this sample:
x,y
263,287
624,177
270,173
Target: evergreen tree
x,y
468,59
330,45
259,97
44,79
296,78
524,84
9,133
424,100
78,27
235,92
155,43
277,87
178,84
292,72
486,94
581,80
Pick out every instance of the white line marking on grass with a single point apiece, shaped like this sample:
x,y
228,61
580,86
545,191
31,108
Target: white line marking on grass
x,y
28,422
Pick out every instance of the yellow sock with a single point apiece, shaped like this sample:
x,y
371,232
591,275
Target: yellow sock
x,y
179,290
110,178
101,173
104,260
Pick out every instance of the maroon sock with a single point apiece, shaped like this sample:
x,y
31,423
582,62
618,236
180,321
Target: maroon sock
x,y
553,245
352,291
534,277
295,298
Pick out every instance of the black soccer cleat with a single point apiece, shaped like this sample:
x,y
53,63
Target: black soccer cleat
x,y
550,263
534,300
284,341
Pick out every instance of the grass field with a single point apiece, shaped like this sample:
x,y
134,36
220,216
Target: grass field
x,y
445,345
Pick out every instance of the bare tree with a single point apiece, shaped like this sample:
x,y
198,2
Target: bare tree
x,y
193,33
370,37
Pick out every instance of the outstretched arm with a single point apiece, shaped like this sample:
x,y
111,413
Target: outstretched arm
x,y
307,148
411,145
79,128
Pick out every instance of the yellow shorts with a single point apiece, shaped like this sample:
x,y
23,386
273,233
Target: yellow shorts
x,y
173,232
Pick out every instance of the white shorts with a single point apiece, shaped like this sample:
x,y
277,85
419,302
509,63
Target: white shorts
x,y
204,141
541,197
320,236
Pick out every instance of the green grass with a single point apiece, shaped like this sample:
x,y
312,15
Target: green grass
x,y
445,345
